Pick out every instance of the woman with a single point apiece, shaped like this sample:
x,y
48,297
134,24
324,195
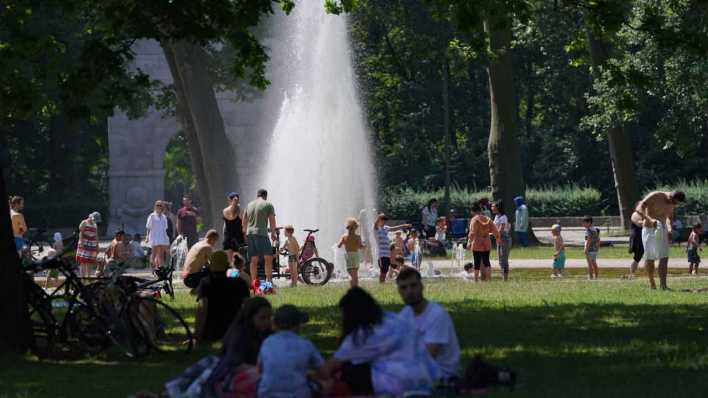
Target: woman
x,y
479,242
87,247
157,235
233,227
501,221
236,373
429,217
379,353
381,231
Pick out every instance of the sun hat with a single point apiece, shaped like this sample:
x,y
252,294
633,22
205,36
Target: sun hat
x,y
288,316
218,261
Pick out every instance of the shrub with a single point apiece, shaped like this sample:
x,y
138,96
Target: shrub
x,y
696,196
543,202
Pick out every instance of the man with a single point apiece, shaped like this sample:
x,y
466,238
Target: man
x,y
259,214
197,258
432,323
19,226
187,221
521,221
118,252
655,213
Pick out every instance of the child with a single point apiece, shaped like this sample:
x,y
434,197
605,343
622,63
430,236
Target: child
x,y
592,246
293,249
559,252
397,265
285,357
352,244
397,247
692,247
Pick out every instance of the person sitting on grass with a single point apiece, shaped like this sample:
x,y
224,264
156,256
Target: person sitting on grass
x,y
236,372
118,252
293,249
692,247
285,357
197,258
136,248
352,244
379,354
397,265
592,246
219,298
432,323
558,252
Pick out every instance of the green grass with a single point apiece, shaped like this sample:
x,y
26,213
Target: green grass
x,y
546,252
569,337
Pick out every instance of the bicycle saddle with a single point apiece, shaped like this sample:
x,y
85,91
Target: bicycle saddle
x,y
312,231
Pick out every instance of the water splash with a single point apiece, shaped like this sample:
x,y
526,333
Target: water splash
x,y
319,168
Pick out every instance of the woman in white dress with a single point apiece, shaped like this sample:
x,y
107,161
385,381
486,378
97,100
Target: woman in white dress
x,y
157,235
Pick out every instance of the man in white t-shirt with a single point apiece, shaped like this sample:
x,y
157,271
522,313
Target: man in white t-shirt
x,y
431,321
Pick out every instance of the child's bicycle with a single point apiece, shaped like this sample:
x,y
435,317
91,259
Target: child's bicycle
x,y
312,269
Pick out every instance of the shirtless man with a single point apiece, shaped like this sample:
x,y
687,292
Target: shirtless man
x,y
654,213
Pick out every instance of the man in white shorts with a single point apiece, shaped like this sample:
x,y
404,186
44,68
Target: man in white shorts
x,y
655,213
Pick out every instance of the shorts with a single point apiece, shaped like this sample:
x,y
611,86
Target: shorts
x,y
656,242
231,244
481,258
259,245
591,256
19,243
636,247
292,258
353,259
693,257
384,264
559,262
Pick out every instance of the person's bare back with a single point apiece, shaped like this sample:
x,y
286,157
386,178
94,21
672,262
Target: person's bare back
x,y
656,207
351,242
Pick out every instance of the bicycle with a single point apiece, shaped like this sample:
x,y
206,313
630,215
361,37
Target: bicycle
x,y
312,269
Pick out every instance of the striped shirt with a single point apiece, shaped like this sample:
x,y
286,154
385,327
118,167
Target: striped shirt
x,y
383,241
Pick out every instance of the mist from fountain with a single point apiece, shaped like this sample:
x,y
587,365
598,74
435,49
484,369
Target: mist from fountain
x,y
319,168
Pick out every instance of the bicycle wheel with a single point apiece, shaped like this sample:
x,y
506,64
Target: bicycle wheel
x,y
110,301
316,271
43,327
160,325
85,329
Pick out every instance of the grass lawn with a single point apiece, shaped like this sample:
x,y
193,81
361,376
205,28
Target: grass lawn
x,y
546,252
569,337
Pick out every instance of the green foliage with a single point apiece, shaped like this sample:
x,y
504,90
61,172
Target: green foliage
x,y
571,200
696,195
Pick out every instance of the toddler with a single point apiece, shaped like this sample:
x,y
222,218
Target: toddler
x,y
352,244
558,252
293,249
592,246
397,246
692,247
285,357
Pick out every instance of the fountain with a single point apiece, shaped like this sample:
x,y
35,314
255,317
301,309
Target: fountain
x,y
319,169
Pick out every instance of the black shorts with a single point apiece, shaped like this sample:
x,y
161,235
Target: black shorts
x,y
636,247
481,259
384,264
231,243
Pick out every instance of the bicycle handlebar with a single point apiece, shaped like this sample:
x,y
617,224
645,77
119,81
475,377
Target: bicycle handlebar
x,y
312,231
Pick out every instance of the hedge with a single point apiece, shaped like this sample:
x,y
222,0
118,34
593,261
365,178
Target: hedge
x,y
405,204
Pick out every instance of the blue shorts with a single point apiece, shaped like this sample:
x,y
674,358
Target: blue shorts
x,y
559,262
259,245
592,256
19,243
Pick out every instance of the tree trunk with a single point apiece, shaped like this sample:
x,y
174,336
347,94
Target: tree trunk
x,y
505,170
201,105
195,153
446,131
619,142
16,333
